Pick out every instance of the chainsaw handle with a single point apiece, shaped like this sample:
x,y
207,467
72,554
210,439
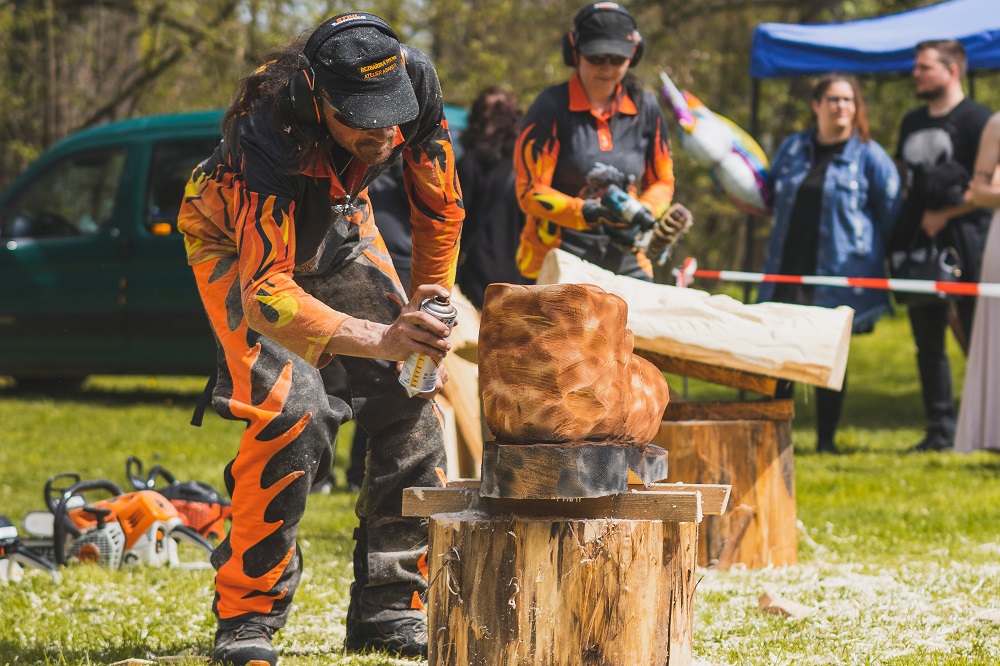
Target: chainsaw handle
x,y
61,522
54,495
99,513
134,472
158,470
96,484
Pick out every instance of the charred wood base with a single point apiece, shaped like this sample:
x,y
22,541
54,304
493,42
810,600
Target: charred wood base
x,y
566,471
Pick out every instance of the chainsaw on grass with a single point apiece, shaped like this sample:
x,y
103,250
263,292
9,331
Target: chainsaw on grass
x,y
140,527
201,506
13,551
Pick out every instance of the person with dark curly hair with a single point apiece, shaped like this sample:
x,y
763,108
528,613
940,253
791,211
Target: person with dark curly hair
x,y
293,273
494,220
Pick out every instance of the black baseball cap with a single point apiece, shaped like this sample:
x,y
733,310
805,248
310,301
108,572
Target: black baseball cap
x,y
605,28
361,70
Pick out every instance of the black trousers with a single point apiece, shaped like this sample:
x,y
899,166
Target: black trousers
x,y
829,407
928,323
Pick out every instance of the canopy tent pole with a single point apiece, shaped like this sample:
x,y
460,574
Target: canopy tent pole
x,y
751,222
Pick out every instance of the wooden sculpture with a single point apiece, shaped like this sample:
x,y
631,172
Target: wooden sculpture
x,y
554,559
557,374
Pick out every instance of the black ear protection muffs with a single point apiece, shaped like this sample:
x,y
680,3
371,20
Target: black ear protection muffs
x,y
570,39
302,91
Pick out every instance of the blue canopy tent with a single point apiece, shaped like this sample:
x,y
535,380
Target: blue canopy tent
x,y
882,45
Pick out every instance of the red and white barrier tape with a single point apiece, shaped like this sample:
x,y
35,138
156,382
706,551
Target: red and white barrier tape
x,y
690,270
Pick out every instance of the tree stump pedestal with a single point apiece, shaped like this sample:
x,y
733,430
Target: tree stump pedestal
x,y
600,580
744,444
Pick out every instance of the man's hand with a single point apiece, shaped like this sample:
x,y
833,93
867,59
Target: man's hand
x,y
442,379
933,222
417,331
413,331
623,237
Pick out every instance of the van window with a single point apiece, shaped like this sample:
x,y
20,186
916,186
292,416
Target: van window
x,y
73,197
173,162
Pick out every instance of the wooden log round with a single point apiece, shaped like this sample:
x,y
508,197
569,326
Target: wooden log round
x,y
758,528
510,590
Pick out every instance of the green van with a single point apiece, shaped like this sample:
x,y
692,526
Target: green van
x,y
94,271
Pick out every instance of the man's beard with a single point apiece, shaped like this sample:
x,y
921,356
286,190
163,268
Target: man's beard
x,y
931,94
372,152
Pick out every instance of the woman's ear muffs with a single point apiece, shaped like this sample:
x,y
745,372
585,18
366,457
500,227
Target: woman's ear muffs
x,y
302,85
569,41
569,54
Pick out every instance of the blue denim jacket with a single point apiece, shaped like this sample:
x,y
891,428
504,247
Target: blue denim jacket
x,y
860,202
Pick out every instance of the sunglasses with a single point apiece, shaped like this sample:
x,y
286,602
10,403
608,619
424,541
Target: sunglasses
x,y
834,101
341,118
605,59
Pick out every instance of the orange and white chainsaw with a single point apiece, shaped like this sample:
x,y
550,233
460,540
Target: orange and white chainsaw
x,y
140,527
200,506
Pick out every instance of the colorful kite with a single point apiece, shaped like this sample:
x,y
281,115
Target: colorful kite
x,y
738,164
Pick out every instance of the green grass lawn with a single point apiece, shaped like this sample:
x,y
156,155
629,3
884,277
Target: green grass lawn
x,y
899,554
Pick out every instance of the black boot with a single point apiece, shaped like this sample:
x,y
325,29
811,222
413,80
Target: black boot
x,y
405,637
245,645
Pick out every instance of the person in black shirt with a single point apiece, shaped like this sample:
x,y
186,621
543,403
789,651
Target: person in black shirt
x,y
937,141
836,193
492,233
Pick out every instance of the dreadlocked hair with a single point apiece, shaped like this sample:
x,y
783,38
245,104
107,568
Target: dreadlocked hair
x,y
265,91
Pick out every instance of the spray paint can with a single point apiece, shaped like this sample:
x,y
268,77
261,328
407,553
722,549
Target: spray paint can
x,y
420,371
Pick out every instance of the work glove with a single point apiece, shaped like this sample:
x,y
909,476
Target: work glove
x,y
667,231
626,238
595,214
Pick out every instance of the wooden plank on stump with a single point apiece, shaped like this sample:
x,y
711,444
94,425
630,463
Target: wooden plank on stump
x,y
513,591
632,505
553,471
710,373
763,410
797,342
714,497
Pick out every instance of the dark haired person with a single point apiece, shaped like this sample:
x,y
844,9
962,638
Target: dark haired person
x,y
938,144
578,137
836,194
494,220
293,272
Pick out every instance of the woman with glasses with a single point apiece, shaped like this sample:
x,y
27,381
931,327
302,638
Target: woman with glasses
x,y
836,193
597,129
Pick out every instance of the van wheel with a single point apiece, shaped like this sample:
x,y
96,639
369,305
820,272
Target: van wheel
x,y
50,384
